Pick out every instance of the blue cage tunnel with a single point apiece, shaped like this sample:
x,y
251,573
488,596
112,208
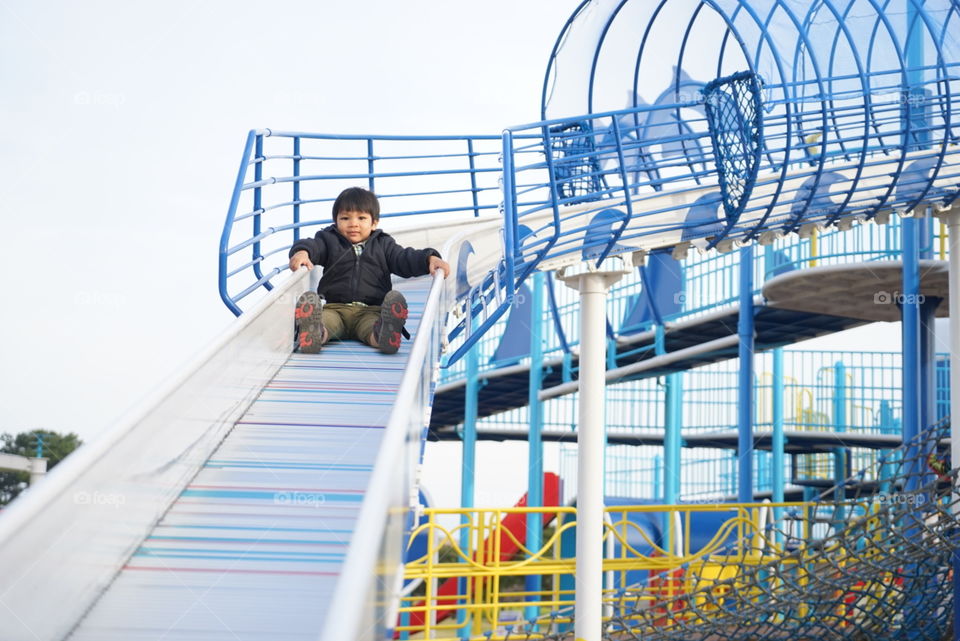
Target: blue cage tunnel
x,y
844,109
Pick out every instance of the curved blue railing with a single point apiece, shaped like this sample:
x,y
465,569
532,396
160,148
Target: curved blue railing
x,y
288,181
857,105
646,194
701,284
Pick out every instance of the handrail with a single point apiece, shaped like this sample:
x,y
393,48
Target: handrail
x,y
284,191
589,165
370,573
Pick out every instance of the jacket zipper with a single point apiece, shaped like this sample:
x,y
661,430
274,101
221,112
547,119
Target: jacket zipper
x,y
355,279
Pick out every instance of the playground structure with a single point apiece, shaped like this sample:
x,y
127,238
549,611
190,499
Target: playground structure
x,y
782,125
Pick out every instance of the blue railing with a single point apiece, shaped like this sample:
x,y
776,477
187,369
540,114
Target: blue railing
x,y
692,287
825,391
594,185
288,181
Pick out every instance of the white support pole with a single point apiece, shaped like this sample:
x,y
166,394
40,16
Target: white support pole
x,y
590,464
38,469
952,219
953,237
592,283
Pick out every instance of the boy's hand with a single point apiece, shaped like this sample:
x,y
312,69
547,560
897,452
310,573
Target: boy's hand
x,y
300,259
436,263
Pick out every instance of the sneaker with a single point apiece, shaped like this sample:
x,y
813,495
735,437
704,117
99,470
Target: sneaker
x,y
309,317
393,316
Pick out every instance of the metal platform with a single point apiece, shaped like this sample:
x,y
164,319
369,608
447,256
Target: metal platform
x,y
505,389
795,441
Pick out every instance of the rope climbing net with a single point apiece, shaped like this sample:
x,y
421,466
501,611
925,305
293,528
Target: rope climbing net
x,y
872,561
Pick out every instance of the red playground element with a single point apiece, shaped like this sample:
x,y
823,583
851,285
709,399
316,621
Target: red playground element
x,y
516,525
664,585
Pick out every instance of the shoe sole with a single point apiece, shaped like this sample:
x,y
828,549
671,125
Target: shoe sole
x,y
393,316
309,317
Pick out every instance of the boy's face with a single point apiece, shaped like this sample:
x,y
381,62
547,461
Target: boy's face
x,y
355,225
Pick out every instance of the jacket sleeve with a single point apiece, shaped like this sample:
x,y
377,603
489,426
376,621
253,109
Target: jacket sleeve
x,y
406,261
314,247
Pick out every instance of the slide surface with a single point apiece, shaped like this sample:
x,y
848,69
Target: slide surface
x,y
253,546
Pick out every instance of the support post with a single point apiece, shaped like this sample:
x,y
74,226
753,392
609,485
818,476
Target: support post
x,y
839,453
673,412
672,441
535,440
467,473
38,469
909,301
952,218
745,330
910,312
592,282
777,444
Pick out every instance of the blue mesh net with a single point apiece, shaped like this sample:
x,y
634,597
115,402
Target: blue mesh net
x,y
733,106
576,170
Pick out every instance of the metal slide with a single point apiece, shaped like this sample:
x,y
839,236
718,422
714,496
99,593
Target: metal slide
x,y
254,545
264,507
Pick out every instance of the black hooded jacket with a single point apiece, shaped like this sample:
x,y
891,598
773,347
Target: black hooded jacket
x,y
348,278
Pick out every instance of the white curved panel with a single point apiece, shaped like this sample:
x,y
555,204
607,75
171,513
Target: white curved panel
x,y
63,541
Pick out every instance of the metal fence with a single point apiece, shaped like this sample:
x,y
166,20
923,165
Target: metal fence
x,y
825,391
702,284
288,181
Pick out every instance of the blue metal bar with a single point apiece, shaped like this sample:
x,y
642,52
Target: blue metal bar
x,y
363,176
535,441
228,225
322,136
745,330
839,453
673,399
257,207
611,16
468,468
509,211
370,169
555,313
910,311
777,445
628,200
296,189
553,54
928,357
473,177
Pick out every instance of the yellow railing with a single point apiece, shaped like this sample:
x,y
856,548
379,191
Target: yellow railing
x,y
471,580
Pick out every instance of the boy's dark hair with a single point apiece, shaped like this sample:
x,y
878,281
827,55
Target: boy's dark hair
x,y
357,199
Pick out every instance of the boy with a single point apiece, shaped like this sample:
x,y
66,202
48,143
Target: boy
x,y
357,260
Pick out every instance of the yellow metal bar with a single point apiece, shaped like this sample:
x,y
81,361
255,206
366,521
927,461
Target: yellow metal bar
x,y
814,247
430,583
486,601
943,240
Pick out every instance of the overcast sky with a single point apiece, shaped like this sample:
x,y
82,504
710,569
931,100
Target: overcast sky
x,y
123,125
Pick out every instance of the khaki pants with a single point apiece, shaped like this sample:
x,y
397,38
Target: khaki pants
x,y
343,321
